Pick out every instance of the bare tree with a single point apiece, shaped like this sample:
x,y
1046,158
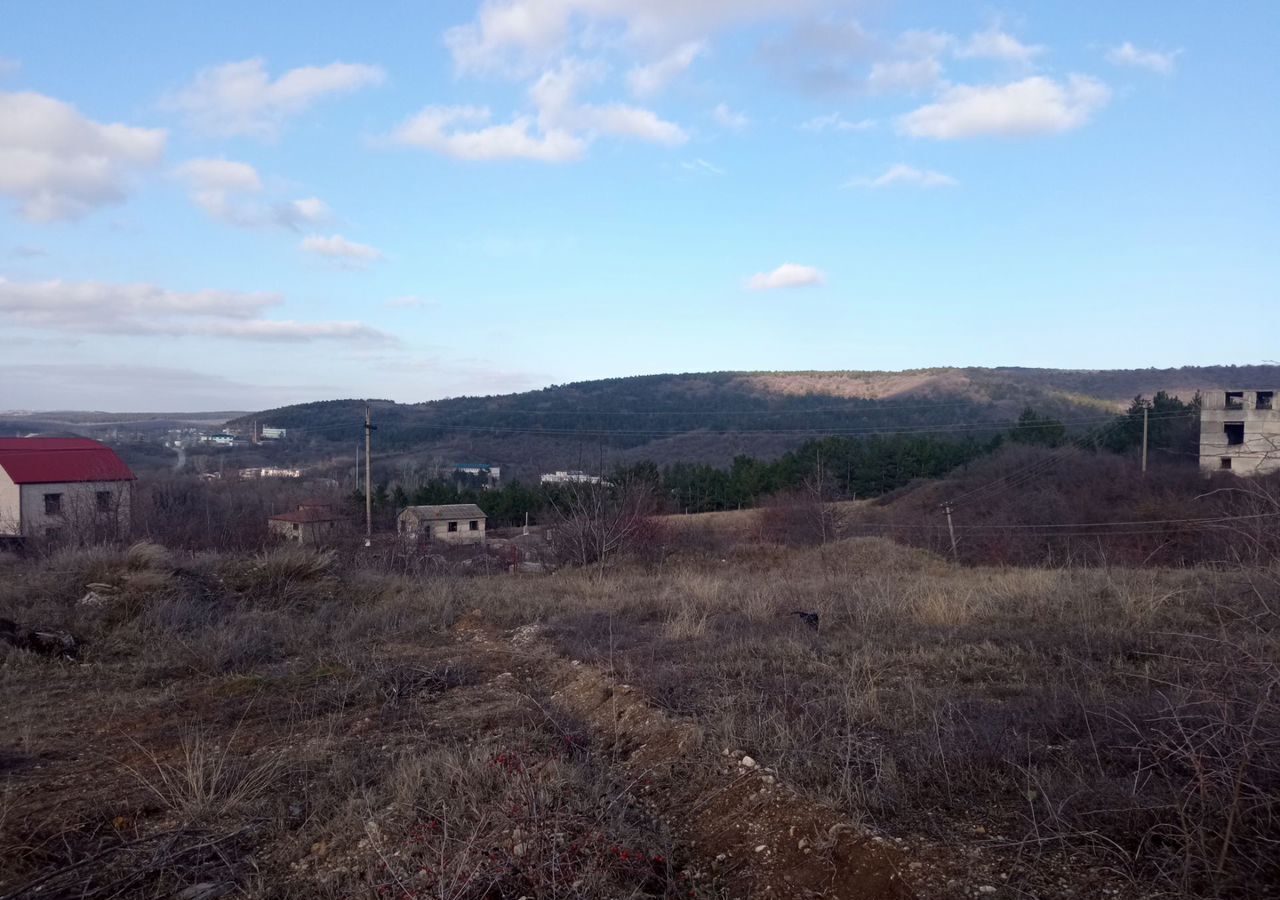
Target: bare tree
x,y
594,521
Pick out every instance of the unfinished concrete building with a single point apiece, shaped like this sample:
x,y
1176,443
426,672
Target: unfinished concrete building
x,y
1240,432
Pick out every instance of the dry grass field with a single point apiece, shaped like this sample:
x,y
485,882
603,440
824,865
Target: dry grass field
x,y
293,724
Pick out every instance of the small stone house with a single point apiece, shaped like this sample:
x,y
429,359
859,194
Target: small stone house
x,y
312,524
456,523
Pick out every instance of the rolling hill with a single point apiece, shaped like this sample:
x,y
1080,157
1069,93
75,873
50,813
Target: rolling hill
x,y
710,417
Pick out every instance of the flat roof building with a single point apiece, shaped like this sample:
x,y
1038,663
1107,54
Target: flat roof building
x,y
1240,432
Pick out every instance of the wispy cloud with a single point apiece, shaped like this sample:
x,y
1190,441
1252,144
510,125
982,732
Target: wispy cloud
x,y
903,174
652,78
1152,60
59,165
701,165
787,275
997,44
1032,106
836,122
728,118
338,249
226,190
146,309
241,98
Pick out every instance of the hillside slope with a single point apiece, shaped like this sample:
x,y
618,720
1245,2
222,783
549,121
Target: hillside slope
x,y
710,417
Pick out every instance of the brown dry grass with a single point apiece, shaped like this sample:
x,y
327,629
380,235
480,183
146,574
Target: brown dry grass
x,y
1072,730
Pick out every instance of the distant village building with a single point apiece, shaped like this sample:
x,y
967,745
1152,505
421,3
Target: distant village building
x,y
572,477
1240,432
311,524
268,433
270,472
222,439
63,488
456,523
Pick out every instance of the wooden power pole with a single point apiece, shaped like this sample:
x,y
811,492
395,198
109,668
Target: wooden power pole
x,y
369,429
1145,411
951,529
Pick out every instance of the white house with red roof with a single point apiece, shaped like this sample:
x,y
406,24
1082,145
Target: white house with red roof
x,y
63,487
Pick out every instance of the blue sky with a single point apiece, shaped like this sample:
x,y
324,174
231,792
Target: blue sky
x,y
253,204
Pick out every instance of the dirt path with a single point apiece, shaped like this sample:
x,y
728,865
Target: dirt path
x,y
741,825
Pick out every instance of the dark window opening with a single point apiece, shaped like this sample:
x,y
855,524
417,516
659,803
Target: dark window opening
x,y
52,504
103,499
1235,399
1235,433
453,526
1225,462
475,526
1266,399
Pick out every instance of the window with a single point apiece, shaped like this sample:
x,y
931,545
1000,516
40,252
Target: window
x,y
53,504
453,526
1266,399
103,499
1235,399
1224,463
1234,432
475,526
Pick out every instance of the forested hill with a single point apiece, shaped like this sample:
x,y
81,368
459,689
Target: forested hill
x,y
711,416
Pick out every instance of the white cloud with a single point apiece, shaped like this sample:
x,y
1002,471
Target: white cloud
x,y
701,165
436,128
555,95
58,164
996,44
340,250
901,173
147,309
727,118
904,75
219,187
520,34
1032,106
239,98
651,79
1152,60
836,122
787,275
561,130
219,175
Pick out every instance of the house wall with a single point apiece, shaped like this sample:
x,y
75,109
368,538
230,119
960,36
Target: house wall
x,y
1260,452
10,506
79,515
438,530
307,533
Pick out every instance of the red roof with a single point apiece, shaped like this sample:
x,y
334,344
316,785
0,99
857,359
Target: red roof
x,y
306,514
56,460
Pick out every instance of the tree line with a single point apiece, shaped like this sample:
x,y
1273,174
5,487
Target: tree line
x,y
836,467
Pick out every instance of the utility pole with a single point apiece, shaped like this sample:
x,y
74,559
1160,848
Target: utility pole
x,y
369,429
951,529
1145,411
